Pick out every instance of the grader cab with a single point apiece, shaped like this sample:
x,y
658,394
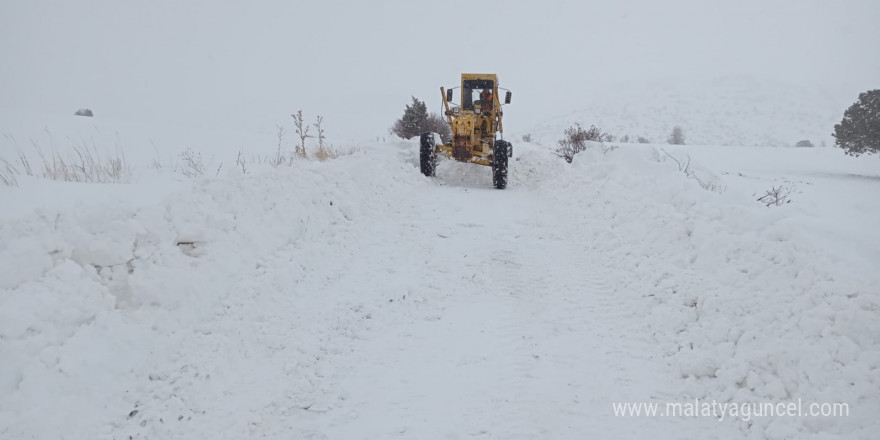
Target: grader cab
x,y
477,131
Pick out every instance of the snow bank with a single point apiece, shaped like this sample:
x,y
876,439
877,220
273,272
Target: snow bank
x,y
746,307
99,288
244,305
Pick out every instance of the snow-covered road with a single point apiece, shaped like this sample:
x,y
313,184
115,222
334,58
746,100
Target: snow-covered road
x,y
358,299
495,324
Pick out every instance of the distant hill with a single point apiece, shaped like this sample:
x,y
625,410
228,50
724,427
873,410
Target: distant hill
x,y
727,111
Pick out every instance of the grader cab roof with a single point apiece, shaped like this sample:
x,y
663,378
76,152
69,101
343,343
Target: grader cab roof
x,y
491,76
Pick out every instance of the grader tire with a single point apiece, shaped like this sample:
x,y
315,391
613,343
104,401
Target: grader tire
x,y
428,154
499,163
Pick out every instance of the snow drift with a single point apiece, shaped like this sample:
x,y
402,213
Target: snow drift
x,y
356,298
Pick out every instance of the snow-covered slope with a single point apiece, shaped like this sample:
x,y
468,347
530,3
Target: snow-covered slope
x,y
723,111
357,299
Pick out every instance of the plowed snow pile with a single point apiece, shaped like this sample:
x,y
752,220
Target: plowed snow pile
x,y
357,299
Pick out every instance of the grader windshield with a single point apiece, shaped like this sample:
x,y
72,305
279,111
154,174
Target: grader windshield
x,y
476,91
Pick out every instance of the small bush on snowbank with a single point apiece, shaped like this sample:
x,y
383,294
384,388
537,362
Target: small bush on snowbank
x,y
577,139
776,196
322,151
416,120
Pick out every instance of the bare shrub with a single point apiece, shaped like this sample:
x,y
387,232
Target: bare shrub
x,y
577,140
280,158
322,151
192,163
436,124
320,130
776,196
302,129
156,162
527,137
643,140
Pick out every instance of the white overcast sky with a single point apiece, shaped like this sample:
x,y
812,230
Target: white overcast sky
x,y
249,64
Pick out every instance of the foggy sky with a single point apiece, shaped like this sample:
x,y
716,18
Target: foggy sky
x,y
248,65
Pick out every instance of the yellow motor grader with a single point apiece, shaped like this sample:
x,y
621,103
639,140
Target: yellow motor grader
x,y
477,132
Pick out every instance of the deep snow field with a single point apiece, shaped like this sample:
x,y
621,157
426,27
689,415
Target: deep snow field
x,y
730,110
355,298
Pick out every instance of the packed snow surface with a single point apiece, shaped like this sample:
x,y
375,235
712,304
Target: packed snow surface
x,y
356,298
